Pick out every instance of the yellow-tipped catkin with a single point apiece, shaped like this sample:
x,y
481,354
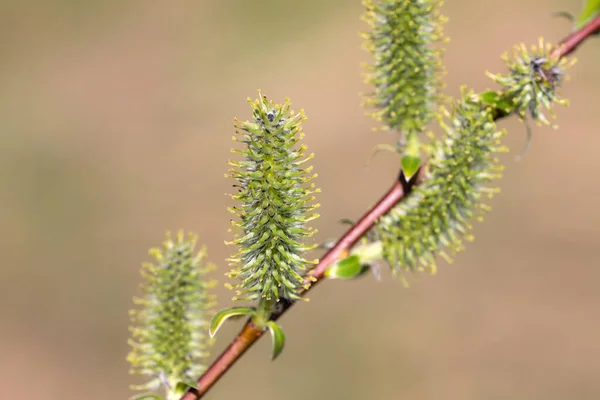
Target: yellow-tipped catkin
x,y
406,70
275,196
435,218
532,81
169,338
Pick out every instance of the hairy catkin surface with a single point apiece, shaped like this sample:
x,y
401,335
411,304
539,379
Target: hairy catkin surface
x,y
532,82
435,218
406,68
169,338
275,196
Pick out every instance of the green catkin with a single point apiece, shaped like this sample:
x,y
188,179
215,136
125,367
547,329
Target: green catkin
x,y
532,81
275,196
436,217
407,69
169,340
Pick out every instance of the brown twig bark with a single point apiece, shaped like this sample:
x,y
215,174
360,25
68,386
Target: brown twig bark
x,y
250,334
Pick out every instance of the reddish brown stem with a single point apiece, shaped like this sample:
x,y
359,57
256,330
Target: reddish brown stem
x,y
571,42
250,334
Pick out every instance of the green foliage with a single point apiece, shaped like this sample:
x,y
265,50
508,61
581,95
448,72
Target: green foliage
x,y
406,69
532,81
411,159
498,101
169,340
591,9
234,312
346,268
275,195
277,338
436,216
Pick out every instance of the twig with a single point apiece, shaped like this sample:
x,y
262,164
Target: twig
x,y
571,42
250,334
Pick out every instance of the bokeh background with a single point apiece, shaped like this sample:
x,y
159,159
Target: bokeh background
x,y
116,124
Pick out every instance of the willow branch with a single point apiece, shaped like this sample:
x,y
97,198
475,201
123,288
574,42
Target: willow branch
x,y
250,334
571,42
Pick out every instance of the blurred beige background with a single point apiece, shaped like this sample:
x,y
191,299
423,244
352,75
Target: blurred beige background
x,y
116,124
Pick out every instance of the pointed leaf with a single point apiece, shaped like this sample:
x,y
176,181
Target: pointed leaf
x,y
182,387
591,9
347,268
411,161
489,97
502,105
410,165
496,100
221,316
187,384
278,338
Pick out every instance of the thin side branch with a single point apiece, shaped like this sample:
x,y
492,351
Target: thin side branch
x,y
571,42
250,334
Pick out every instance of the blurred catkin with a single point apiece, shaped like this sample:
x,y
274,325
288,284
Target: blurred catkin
x,y
406,71
169,340
437,215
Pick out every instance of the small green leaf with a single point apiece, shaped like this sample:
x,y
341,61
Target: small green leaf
x,y
591,9
410,165
143,396
278,338
347,268
186,384
490,97
501,105
221,316
182,387
411,161
496,100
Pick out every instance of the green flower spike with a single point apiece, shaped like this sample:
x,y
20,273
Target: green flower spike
x,y
436,216
406,71
275,196
532,81
169,340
